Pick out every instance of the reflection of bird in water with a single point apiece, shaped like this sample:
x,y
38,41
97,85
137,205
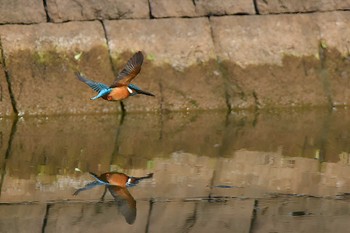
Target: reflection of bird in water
x,y
121,87
117,184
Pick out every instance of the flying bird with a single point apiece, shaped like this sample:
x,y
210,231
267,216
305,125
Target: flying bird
x,y
121,88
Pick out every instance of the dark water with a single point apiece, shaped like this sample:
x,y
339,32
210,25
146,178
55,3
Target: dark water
x,y
285,171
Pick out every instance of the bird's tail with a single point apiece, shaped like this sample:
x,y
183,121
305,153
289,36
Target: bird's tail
x,y
144,92
150,175
139,91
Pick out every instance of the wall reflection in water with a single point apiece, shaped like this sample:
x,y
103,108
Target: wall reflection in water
x,y
192,155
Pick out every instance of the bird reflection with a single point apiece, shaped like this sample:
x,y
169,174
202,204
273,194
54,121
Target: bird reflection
x,y
117,184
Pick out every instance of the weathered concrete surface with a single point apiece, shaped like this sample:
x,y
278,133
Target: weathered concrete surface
x,y
320,215
187,152
6,108
175,214
293,133
41,61
334,35
224,7
22,11
148,135
291,6
231,216
175,55
193,8
92,217
256,174
230,62
289,71
169,8
5,132
57,145
22,218
60,11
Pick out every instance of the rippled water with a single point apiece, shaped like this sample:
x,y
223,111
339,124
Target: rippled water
x,y
285,171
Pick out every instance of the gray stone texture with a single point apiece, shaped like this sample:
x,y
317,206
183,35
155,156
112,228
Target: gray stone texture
x,y
22,11
180,62
290,6
65,10
41,61
192,8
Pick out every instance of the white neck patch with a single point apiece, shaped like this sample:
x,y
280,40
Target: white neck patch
x,y
129,90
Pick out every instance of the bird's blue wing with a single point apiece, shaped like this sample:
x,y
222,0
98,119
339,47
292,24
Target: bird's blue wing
x,y
88,186
94,85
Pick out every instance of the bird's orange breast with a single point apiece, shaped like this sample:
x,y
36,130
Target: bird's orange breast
x,y
118,93
118,179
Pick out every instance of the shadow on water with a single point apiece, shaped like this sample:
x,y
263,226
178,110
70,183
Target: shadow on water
x,y
211,171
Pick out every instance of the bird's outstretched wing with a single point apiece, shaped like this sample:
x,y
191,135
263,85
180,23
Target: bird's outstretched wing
x,y
125,202
88,186
94,85
131,69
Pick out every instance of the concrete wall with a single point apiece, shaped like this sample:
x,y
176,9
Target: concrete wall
x,y
200,54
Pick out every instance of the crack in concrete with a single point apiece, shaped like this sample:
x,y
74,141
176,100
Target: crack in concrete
x,y
252,222
8,151
115,151
151,202
161,95
256,8
324,74
48,18
222,70
8,79
256,101
48,206
191,220
115,72
150,10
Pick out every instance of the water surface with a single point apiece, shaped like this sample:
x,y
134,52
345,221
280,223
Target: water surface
x,y
282,171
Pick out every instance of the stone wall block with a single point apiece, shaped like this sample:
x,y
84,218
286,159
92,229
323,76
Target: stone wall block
x,y
66,10
224,7
193,8
6,108
321,215
180,66
170,8
22,11
292,6
22,218
41,60
270,60
334,43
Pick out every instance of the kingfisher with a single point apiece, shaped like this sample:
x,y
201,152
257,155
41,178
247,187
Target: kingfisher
x,y
117,184
121,88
